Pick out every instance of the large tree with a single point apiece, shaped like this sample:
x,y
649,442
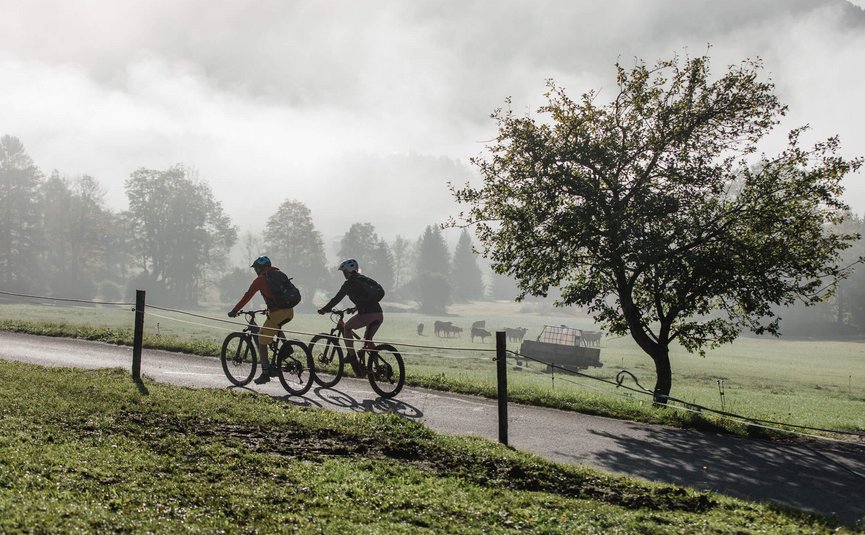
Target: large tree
x,y
293,243
20,225
178,230
80,237
654,211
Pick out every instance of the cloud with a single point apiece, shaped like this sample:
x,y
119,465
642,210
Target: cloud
x,y
351,106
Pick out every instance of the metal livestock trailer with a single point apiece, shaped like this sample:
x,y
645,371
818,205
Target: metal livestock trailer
x,y
561,346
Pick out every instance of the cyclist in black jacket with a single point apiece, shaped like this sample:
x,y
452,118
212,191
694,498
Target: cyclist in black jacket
x,y
369,313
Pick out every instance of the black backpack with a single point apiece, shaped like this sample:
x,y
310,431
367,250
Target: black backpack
x,y
285,293
373,292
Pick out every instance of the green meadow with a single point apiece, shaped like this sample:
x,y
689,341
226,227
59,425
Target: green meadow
x,y
800,382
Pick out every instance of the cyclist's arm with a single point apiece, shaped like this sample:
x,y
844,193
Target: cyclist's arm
x,y
250,293
343,291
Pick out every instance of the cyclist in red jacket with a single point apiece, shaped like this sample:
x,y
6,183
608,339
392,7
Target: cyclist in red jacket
x,y
276,317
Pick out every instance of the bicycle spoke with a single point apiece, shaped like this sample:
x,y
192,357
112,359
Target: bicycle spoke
x,y
239,359
386,371
295,368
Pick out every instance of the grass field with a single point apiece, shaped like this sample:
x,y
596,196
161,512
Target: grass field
x,y
89,452
810,383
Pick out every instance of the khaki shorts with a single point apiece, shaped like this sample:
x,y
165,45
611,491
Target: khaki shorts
x,y
275,319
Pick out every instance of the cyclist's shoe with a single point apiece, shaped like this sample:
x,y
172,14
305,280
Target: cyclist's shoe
x,y
356,366
266,374
369,346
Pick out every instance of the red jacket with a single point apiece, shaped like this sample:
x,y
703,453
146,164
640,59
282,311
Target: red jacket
x,y
258,285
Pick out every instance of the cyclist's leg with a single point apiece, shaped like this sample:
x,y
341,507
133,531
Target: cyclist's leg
x,y
377,318
275,319
371,322
355,322
284,315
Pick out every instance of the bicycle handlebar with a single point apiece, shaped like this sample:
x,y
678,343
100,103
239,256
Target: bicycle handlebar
x,y
251,313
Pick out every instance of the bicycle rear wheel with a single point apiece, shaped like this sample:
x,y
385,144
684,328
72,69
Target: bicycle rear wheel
x,y
239,358
327,359
385,370
294,367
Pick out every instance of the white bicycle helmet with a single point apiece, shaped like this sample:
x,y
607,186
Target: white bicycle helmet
x,y
348,265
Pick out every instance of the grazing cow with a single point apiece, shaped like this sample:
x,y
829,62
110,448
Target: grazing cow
x,y
591,338
451,329
516,335
420,329
480,333
479,324
440,327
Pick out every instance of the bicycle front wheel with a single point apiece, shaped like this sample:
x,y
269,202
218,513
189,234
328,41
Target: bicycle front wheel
x,y
327,359
385,370
239,358
294,366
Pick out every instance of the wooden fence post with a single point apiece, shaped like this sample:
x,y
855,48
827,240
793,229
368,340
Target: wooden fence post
x,y
502,381
138,336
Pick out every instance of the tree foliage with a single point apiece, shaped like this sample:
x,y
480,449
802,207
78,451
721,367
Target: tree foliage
x,y
81,242
293,243
467,276
20,224
178,230
362,243
432,283
654,211
432,252
403,256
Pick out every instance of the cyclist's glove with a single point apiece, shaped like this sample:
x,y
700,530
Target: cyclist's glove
x,y
232,314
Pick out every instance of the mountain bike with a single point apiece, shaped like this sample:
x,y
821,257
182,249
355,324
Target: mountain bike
x,y
382,363
292,358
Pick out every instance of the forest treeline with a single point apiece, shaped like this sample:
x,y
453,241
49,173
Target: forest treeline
x,y
58,238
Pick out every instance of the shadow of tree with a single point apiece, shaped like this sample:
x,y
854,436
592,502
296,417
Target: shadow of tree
x,y
826,480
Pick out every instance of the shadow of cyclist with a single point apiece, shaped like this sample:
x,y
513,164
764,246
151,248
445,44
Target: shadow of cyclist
x,y
340,399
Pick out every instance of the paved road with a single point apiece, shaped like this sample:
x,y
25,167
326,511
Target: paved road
x,y
823,477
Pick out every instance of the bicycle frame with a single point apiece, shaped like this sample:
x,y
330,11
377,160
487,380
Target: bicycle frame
x,y
339,334
381,364
254,328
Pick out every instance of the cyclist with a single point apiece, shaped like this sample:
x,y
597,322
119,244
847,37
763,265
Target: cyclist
x,y
277,315
365,294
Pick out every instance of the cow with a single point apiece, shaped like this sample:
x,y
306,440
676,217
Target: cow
x,y
517,334
480,333
420,329
440,326
482,324
591,338
451,329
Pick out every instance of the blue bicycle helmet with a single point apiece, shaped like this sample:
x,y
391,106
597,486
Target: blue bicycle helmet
x,y
261,262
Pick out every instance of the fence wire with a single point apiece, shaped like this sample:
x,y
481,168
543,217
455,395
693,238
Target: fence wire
x,y
618,383
687,405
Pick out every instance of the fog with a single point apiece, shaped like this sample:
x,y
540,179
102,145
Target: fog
x,y
365,110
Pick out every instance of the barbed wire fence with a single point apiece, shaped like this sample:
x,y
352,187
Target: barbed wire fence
x,y
502,354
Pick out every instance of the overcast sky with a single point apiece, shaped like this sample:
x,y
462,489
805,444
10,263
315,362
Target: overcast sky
x,y
364,110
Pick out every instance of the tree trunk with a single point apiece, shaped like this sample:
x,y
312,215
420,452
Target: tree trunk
x,y
663,373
